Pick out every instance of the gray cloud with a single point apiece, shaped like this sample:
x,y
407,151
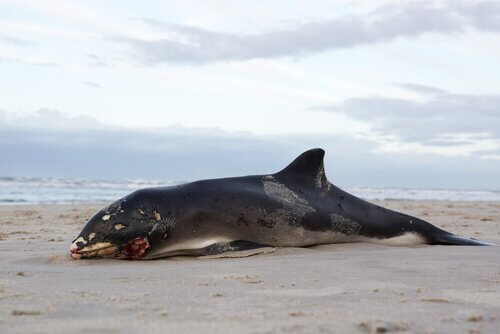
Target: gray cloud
x,y
484,15
421,89
186,44
49,143
92,84
17,41
442,119
96,61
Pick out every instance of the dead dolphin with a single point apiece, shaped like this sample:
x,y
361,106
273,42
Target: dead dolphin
x,y
296,207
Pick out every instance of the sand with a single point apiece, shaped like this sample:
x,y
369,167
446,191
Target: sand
x,y
345,288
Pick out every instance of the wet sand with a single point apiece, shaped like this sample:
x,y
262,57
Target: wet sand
x,y
345,288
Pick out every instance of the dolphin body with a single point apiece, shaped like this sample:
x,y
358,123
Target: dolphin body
x,y
295,207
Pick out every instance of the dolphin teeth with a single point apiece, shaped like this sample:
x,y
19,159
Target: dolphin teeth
x,y
96,247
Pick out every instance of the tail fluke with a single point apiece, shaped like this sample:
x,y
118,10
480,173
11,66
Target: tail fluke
x,y
452,239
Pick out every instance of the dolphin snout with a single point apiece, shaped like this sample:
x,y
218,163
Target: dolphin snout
x,y
80,249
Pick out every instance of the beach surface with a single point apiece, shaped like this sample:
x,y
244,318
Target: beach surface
x,y
344,288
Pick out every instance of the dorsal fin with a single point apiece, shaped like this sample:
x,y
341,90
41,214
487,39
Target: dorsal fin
x,y
308,165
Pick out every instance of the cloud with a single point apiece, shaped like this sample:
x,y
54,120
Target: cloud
x,y
460,123
420,89
46,64
17,41
50,143
192,45
92,84
47,120
96,61
484,15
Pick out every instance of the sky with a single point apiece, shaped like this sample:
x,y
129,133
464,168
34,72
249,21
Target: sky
x,y
398,93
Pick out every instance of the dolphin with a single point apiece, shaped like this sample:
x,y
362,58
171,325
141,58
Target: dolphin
x,y
296,207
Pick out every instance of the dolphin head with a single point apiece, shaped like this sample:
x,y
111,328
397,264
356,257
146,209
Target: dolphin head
x,y
120,230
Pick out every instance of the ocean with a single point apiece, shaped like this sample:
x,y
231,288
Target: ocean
x,y
25,190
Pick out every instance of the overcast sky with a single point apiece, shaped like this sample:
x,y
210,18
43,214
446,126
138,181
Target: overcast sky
x,y
399,93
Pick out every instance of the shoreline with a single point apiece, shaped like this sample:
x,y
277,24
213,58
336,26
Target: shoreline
x,y
356,287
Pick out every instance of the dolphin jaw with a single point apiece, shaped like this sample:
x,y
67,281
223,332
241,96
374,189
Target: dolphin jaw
x,y
135,249
97,249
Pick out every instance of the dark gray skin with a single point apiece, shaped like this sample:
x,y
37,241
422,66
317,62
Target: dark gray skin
x,y
297,207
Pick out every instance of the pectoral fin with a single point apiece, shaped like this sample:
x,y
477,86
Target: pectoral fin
x,y
238,248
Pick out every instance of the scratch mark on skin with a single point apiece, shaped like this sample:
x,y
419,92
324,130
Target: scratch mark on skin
x,y
91,236
344,225
155,227
294,206
169,222
141,211
106,217
156,215
290,200
119,226
319,177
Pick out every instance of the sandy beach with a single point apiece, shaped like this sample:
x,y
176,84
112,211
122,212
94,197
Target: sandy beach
x,y
345,288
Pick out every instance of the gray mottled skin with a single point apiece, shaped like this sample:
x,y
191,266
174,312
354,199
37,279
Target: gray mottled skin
x,y
297,206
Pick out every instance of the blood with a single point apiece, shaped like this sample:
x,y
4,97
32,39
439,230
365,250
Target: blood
x,y
135,249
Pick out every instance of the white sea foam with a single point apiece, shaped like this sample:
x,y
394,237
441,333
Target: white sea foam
x,y
26,190
423,194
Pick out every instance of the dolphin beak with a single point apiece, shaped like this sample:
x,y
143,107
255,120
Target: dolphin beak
x,y
97,249
73,251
